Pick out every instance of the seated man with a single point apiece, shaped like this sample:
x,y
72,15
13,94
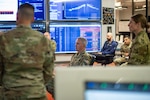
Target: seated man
x,y
125,49
81,58
108,49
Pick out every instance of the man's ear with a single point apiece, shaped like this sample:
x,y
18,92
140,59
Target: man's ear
x,y
32,20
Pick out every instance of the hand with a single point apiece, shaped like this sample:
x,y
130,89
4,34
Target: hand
x,y
126,54
99,52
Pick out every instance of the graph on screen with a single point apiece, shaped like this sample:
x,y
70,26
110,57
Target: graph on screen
x,y
76,9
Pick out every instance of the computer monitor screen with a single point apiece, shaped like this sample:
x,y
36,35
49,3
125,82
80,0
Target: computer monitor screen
x,y
66,33
75,10
39,26
8,10
39,7
116,91
56,10
6,26
113,83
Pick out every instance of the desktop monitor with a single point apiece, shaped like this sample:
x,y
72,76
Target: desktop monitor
x,y
75,10
66,33
100,90
82,83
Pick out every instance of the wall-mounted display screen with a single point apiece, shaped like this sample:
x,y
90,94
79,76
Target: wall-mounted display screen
x,y
39,8
66,33
8,10
75,9
6,26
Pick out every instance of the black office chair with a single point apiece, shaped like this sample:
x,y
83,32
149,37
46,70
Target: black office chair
x,y
93,57
108,59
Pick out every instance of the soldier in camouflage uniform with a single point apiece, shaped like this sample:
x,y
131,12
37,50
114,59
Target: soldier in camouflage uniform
x,y
26,60
50,85
81,58
53,43
140,49
125,49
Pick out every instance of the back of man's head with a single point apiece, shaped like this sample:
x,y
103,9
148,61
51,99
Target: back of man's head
x,y
26,12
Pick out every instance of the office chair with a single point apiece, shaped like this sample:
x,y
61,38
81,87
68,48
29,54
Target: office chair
x,y
93,57
108,59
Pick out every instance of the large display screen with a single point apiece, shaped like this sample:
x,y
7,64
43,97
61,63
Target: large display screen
x,y
6,26
8,10
39,26
39,8
65,35
75,9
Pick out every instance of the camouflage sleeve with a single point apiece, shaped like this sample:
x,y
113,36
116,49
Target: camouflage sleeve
x,y
139,55
53,43
50,87
1,62
121,49
1,66
84,60
49,63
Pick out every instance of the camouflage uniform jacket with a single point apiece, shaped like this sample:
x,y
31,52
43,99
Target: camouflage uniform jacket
x,y
140,51
125,48
53,43
80,59
26,62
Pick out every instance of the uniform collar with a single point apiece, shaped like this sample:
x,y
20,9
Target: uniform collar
x,y
21,25
81,52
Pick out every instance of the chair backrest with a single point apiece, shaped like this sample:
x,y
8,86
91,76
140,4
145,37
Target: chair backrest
x,y
93,57
116,44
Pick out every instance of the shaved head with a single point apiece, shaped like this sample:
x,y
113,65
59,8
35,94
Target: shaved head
x,y
25,14
26,11
109,36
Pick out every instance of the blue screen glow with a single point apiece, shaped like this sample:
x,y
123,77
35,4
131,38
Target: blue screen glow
x,y
65,35
75,9
38,6
6,26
